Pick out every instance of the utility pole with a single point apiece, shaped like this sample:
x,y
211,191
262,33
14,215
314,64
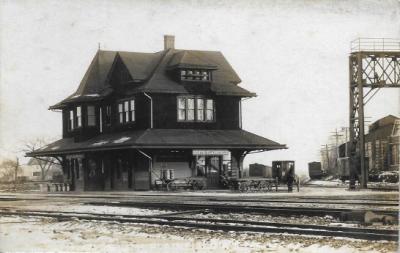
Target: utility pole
x,y
16,174
336,135
346,138
327,157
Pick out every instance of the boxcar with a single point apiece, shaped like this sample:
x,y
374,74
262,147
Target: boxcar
x,y
315,170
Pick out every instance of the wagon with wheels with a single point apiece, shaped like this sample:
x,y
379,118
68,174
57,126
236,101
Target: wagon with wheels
x,y
190,183
250,184
255,184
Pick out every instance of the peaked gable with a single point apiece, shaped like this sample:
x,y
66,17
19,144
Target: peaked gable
x,y
140,65
150,70
94,84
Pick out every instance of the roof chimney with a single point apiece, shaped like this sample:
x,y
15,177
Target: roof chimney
x,y
169,42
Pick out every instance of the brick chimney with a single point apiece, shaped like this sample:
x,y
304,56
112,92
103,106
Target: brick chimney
x,y
169,42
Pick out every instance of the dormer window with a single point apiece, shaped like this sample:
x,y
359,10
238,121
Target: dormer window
x,y
195,75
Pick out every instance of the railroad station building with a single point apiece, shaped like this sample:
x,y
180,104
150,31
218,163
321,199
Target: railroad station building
x,y
136,117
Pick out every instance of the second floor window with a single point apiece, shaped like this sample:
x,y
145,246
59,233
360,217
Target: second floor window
x,y
209,108
126,111
91,115
78,116
107,115
71,120
195,109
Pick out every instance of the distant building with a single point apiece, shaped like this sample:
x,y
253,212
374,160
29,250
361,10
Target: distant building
x,y
32,171
382,145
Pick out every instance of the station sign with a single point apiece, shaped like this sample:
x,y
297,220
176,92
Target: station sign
x,y
198,152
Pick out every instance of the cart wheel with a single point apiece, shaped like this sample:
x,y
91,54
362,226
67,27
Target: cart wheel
x,y
269,187
243,187
264,186
171,186
200,186
196,185
254,186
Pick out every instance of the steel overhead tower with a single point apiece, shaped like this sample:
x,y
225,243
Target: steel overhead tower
x,y
373,64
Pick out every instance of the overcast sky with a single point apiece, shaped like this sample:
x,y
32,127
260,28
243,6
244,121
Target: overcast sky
x,y
293,54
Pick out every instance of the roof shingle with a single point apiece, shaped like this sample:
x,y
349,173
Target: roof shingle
x,y
163,138
152,70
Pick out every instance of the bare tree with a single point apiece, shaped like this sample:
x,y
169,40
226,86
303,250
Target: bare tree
x,y
44,163
9,170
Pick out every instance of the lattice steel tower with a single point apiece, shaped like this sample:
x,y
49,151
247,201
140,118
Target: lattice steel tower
x,y
373,64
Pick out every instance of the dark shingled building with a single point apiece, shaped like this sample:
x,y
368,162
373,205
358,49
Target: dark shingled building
x,y
136,116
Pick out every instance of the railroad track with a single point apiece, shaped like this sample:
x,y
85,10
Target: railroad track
x,y
387,203
332,202
344,200
228,208
220,224
372,197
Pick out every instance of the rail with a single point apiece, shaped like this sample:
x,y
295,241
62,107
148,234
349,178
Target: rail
x,y
221,224
375,45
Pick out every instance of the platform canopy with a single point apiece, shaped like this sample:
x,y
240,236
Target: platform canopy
x,y
162,139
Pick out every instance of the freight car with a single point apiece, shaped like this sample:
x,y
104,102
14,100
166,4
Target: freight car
x,y
315,170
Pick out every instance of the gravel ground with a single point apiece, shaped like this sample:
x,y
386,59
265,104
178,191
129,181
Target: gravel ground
x,y
27,234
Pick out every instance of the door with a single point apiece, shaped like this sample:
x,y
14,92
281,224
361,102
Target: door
x,y
141,180
213,166
94,176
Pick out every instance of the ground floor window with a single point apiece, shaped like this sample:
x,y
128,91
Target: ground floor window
x,y
394,155
92,169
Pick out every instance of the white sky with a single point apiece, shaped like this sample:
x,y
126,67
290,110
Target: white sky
x,y
293,54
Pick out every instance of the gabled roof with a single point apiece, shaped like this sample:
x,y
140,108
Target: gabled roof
x,y
140,65
387,120
151,71
94,83
163,138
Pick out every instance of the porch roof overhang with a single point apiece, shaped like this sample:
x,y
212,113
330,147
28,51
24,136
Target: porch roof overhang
x,y
162,139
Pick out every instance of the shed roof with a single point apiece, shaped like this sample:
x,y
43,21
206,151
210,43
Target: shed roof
x,y
163,139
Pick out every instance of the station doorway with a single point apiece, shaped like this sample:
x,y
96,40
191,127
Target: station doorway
x,y
210,164
209,167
